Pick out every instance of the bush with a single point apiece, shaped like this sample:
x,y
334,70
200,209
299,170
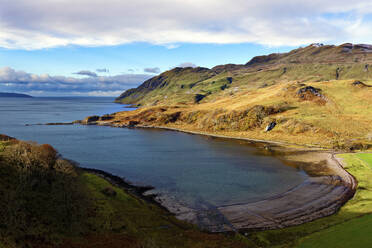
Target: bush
x,y
41,196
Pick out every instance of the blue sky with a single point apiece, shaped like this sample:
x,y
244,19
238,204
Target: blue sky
x,y
129,58
58,47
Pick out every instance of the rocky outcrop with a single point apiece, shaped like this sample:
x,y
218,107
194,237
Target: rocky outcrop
x,y
106,117
310,93
91,120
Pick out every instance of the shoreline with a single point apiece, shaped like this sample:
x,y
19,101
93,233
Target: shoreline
x,y
317,197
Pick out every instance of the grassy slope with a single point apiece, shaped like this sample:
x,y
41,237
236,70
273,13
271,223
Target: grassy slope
x,y
308,122
356,232
61,206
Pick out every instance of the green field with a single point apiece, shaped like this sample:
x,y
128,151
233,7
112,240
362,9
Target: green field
x,y
366,157
355,233
358,231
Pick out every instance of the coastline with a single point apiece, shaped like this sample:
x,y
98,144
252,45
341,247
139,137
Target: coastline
x,y
320,196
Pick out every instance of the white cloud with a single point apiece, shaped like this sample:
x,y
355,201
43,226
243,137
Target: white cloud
x,y
39,24
20,81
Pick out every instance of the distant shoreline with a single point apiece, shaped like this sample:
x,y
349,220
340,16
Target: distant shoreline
x,y
14,95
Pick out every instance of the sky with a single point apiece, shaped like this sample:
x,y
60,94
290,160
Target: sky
x,y
101,48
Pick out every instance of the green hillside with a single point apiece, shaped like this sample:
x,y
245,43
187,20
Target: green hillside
x,y
313,63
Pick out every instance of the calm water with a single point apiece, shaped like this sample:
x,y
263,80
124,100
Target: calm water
x,y
197,170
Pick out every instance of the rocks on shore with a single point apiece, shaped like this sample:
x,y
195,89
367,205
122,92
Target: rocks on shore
x,y
91,120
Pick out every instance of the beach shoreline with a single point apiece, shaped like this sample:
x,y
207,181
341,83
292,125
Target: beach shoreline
x,y
319,196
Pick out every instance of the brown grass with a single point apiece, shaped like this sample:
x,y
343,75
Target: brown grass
x,y
340,118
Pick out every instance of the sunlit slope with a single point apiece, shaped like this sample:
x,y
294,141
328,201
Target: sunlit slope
x,y
333,114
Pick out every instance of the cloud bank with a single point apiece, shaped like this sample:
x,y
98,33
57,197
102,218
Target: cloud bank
x,y
23,82
39,24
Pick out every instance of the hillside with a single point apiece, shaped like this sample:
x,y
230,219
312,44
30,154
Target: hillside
x,y
316,96
314,63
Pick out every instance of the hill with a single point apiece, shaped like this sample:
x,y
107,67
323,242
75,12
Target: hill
x,y
5,94
314,63
317,95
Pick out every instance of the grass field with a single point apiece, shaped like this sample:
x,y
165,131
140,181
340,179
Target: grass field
x,y
355,232
366,157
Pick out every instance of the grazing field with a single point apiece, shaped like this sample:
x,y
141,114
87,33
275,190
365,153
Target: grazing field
x,y
354,233
357,231
366,157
